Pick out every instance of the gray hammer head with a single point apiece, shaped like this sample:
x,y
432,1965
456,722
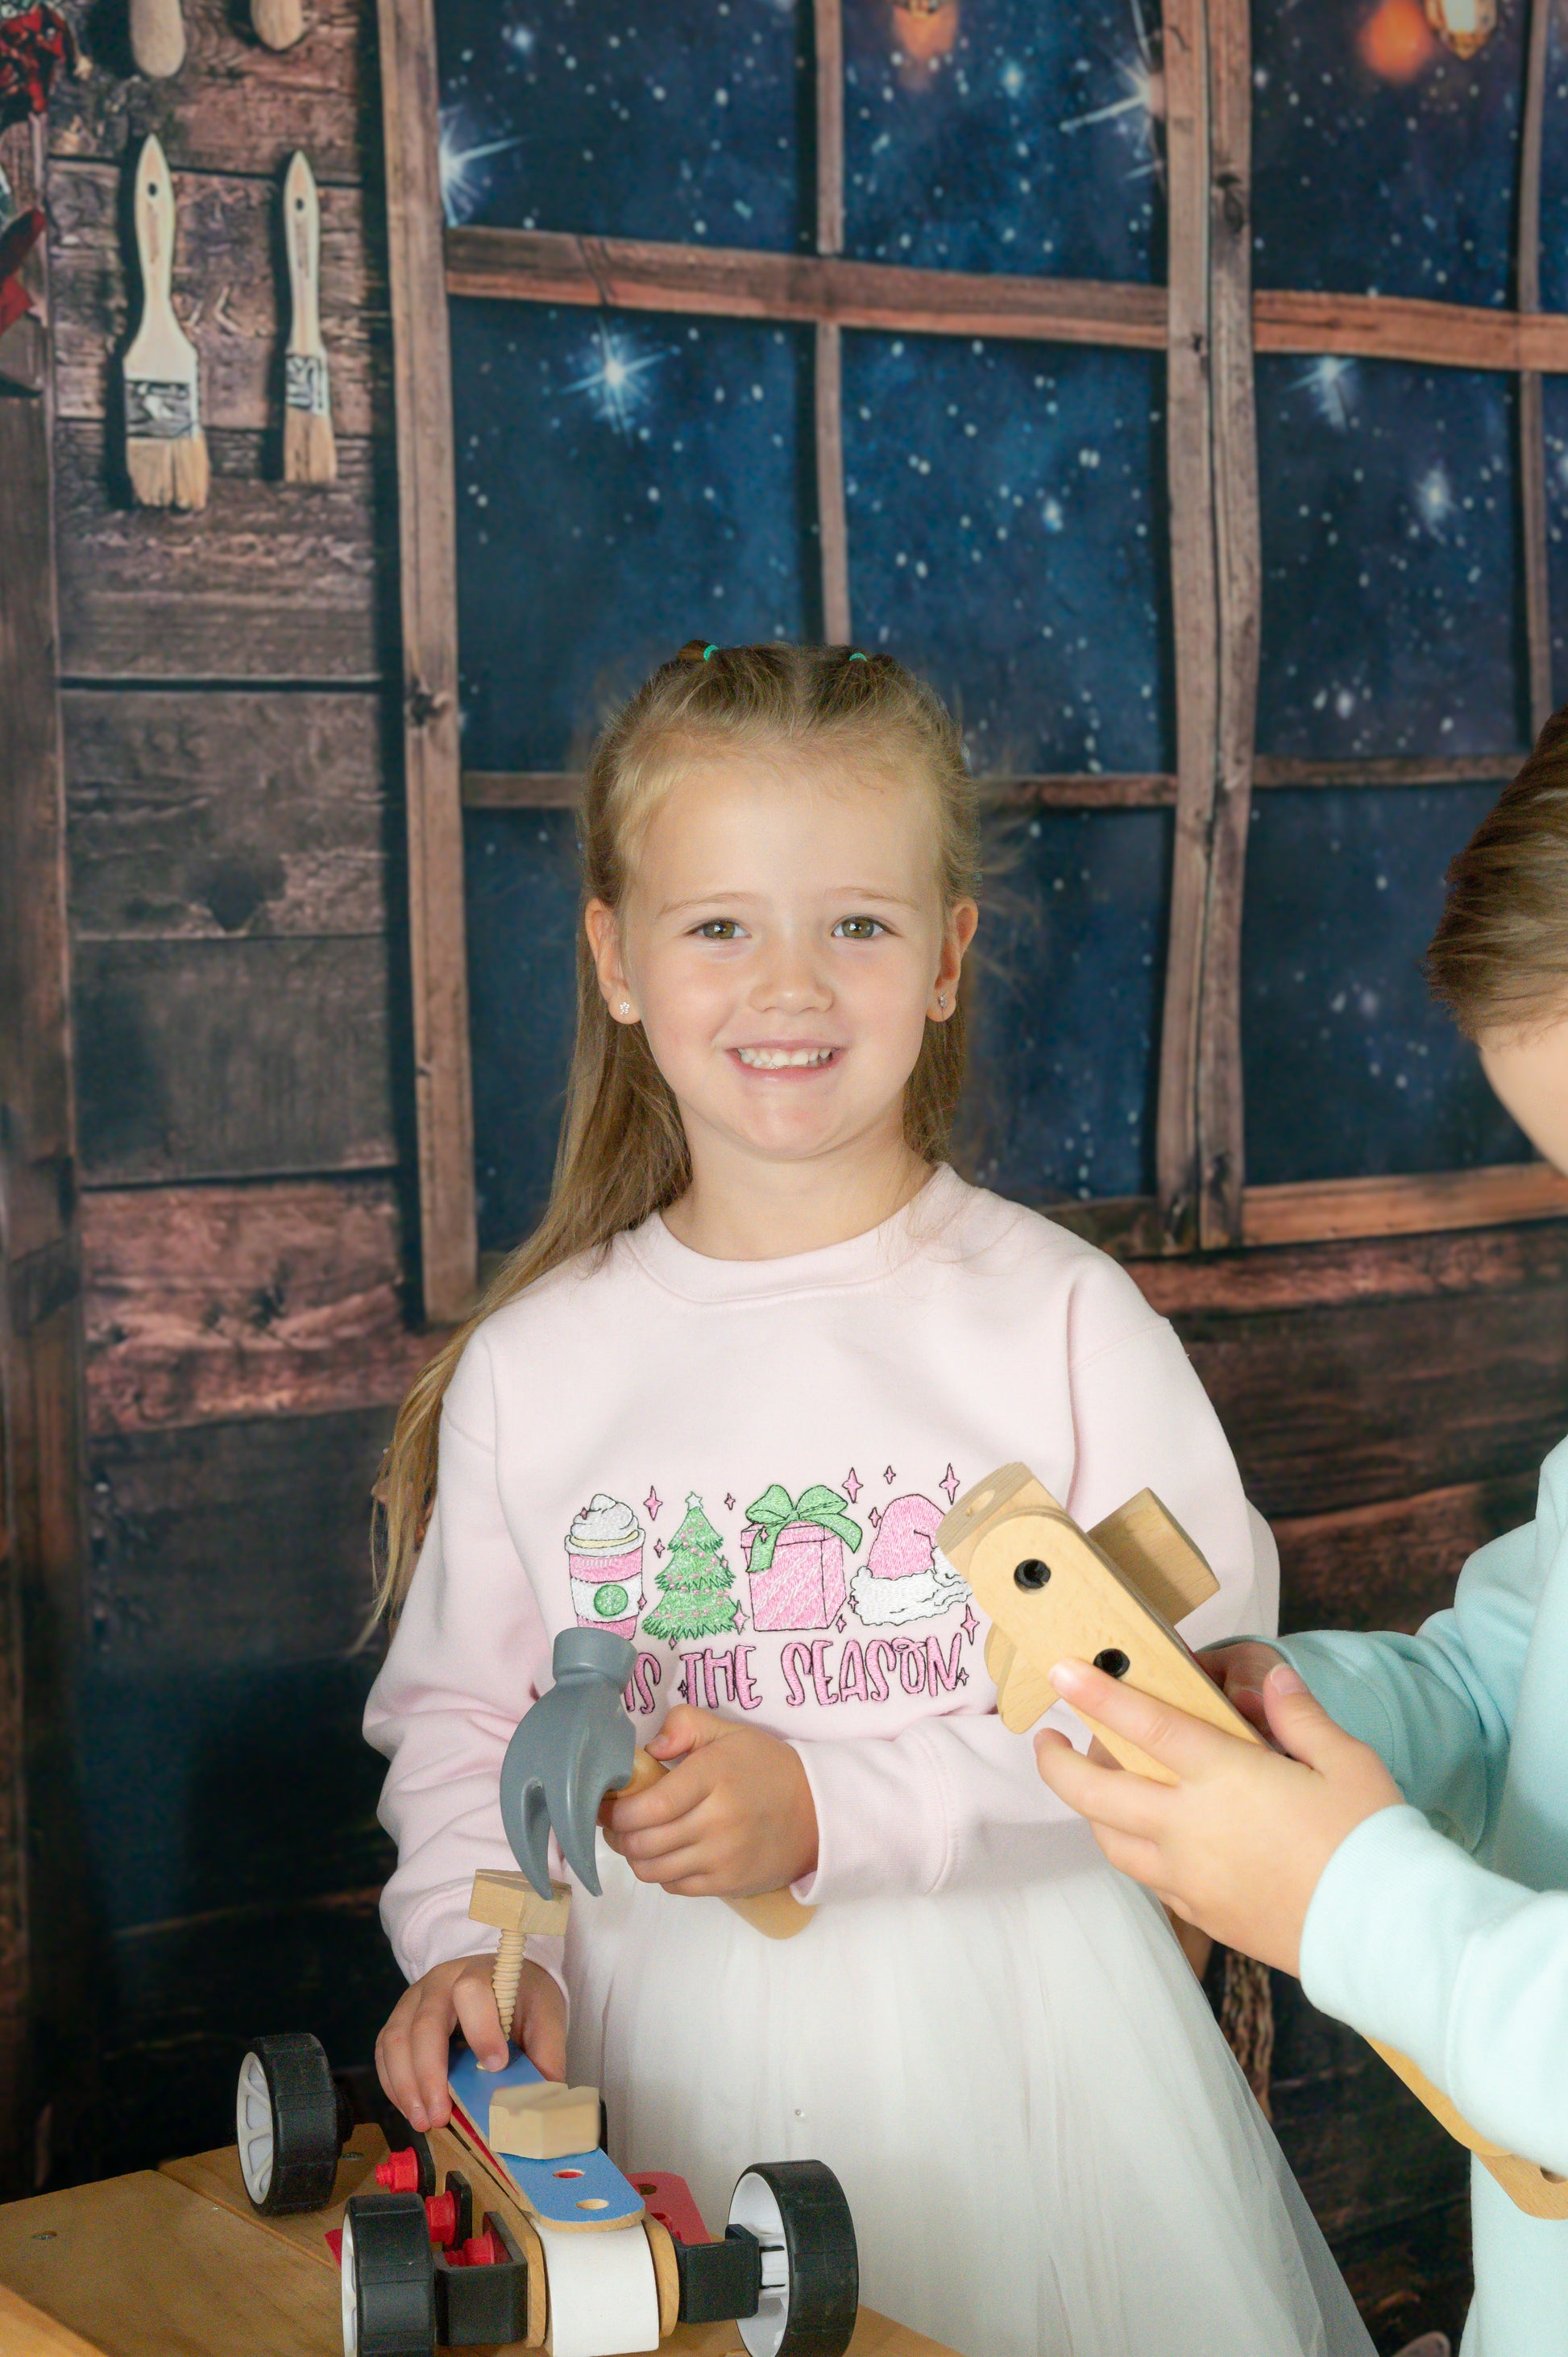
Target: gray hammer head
x,y
574,1745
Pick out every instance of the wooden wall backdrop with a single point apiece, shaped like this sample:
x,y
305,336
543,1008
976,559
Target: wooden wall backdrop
x,y
235,1176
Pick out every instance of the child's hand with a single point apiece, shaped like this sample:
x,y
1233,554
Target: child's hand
x,y
1238,1844
733,1817
1239,1672
410,2052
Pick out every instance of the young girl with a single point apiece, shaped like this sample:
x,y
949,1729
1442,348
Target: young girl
x,y
721,1399
1431,1912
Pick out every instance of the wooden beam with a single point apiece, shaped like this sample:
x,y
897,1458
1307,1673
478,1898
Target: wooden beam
x,y
1401,327
628,274
42,1486
1238,551
1195,601
1402,769
1532,403
1317,1210
1072,789
423,392
833,523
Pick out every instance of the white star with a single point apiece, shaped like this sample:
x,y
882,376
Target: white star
x,y
615,385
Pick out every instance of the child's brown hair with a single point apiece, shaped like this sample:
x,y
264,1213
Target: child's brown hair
x,y
622,1153
1498,960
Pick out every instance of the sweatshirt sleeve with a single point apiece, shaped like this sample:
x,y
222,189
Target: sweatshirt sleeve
x,y
1413,1943
470,1655
1439,1707
956,1802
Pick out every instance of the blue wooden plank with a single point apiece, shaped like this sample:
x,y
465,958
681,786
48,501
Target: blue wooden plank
x,y
583,2190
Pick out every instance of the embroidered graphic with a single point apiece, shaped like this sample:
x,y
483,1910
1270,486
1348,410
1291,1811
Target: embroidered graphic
x,y
903,1577
604,1557
694,1583
797,1556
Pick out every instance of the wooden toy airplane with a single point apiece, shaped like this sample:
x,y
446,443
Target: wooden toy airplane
x,y
1109,1596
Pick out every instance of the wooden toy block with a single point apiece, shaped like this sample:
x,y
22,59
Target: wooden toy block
x,y
1052,1590
545,2121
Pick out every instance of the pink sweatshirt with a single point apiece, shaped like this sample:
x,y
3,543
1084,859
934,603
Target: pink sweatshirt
x,y
741,1464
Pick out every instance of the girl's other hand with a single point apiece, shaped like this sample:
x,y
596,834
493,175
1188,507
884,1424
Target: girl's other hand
x,y
1239,1671
410,2052
734,1816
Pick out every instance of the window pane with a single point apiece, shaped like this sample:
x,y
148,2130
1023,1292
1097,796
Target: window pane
x,y
1004,135
522,886
1351,1068
1071,977
1554,168
681,122
1007,537
1382,163
1391,619
624,484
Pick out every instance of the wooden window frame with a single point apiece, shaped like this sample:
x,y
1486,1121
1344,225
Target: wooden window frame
x,y
1210,325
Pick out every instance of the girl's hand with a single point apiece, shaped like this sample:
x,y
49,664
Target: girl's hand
x,y
735,1816
1238,1845
410,2052
1239,1672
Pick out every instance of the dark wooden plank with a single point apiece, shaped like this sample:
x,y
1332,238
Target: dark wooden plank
x,y
189,1997
1390,1564
232,1545
1533,513
1333,1407
226,291
1068,790
1427,1267
1401,327
1319,1208
443,1110
246,1785
1413,769
225,813
1412,2277
234,1059
211,1302
1195,603
41,1970
271,581
832,526
1239,571
234,105
547,266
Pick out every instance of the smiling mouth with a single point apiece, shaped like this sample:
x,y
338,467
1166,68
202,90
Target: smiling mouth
x,y
782,1059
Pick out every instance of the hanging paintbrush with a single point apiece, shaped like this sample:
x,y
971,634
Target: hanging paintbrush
x,y
158,38
279,24
166,449
309,452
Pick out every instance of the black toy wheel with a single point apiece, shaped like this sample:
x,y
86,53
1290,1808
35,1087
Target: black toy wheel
x,y
288,2124
810,2268
389,2278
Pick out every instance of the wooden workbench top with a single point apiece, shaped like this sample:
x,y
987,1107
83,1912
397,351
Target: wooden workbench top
x,y
176,2264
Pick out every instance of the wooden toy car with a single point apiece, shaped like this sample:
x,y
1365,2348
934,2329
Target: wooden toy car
x,y
464,2247
1109,1596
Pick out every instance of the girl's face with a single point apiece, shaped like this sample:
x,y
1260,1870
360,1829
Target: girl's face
x,y
1529,1071
784,943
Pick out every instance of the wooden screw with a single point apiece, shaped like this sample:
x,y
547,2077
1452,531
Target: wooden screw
x,y
510,1903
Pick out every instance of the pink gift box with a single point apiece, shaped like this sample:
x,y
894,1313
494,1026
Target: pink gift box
x,y
803,1587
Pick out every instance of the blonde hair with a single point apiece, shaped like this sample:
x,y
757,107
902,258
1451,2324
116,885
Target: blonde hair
x,y
622,1153
1498,960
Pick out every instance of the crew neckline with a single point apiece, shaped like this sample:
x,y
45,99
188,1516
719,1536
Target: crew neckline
x,y
856,1260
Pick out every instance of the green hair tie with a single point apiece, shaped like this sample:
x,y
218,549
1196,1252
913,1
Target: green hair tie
x,y
708,652
858,657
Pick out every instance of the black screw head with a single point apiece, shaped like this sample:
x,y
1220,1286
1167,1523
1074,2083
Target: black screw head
x,y
1031,1572
1113,1662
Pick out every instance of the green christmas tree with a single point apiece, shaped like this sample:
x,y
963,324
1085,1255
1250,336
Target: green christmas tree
x,y
694,1583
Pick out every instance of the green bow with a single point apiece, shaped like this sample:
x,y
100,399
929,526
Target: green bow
x,y
775,1509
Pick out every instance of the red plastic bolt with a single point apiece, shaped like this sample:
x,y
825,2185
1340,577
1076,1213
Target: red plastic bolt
x,y
399,2173
441,2214
484,2250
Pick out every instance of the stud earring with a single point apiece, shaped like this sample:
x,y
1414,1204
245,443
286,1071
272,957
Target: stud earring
x,y
625,1007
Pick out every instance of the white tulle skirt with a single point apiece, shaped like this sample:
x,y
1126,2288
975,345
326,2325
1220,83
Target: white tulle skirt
x,y
1048,2147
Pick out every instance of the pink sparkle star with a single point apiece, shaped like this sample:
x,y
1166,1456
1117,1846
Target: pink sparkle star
x,y
969,1624
875,1517
658,1546
949,1482
652,1503
852,1485
729,1501
888,1475
839,1624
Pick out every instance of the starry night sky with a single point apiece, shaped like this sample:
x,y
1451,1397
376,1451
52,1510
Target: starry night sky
x,y
627,482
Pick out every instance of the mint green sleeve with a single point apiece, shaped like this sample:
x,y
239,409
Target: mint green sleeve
x,y
1413,1944
1439,1706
